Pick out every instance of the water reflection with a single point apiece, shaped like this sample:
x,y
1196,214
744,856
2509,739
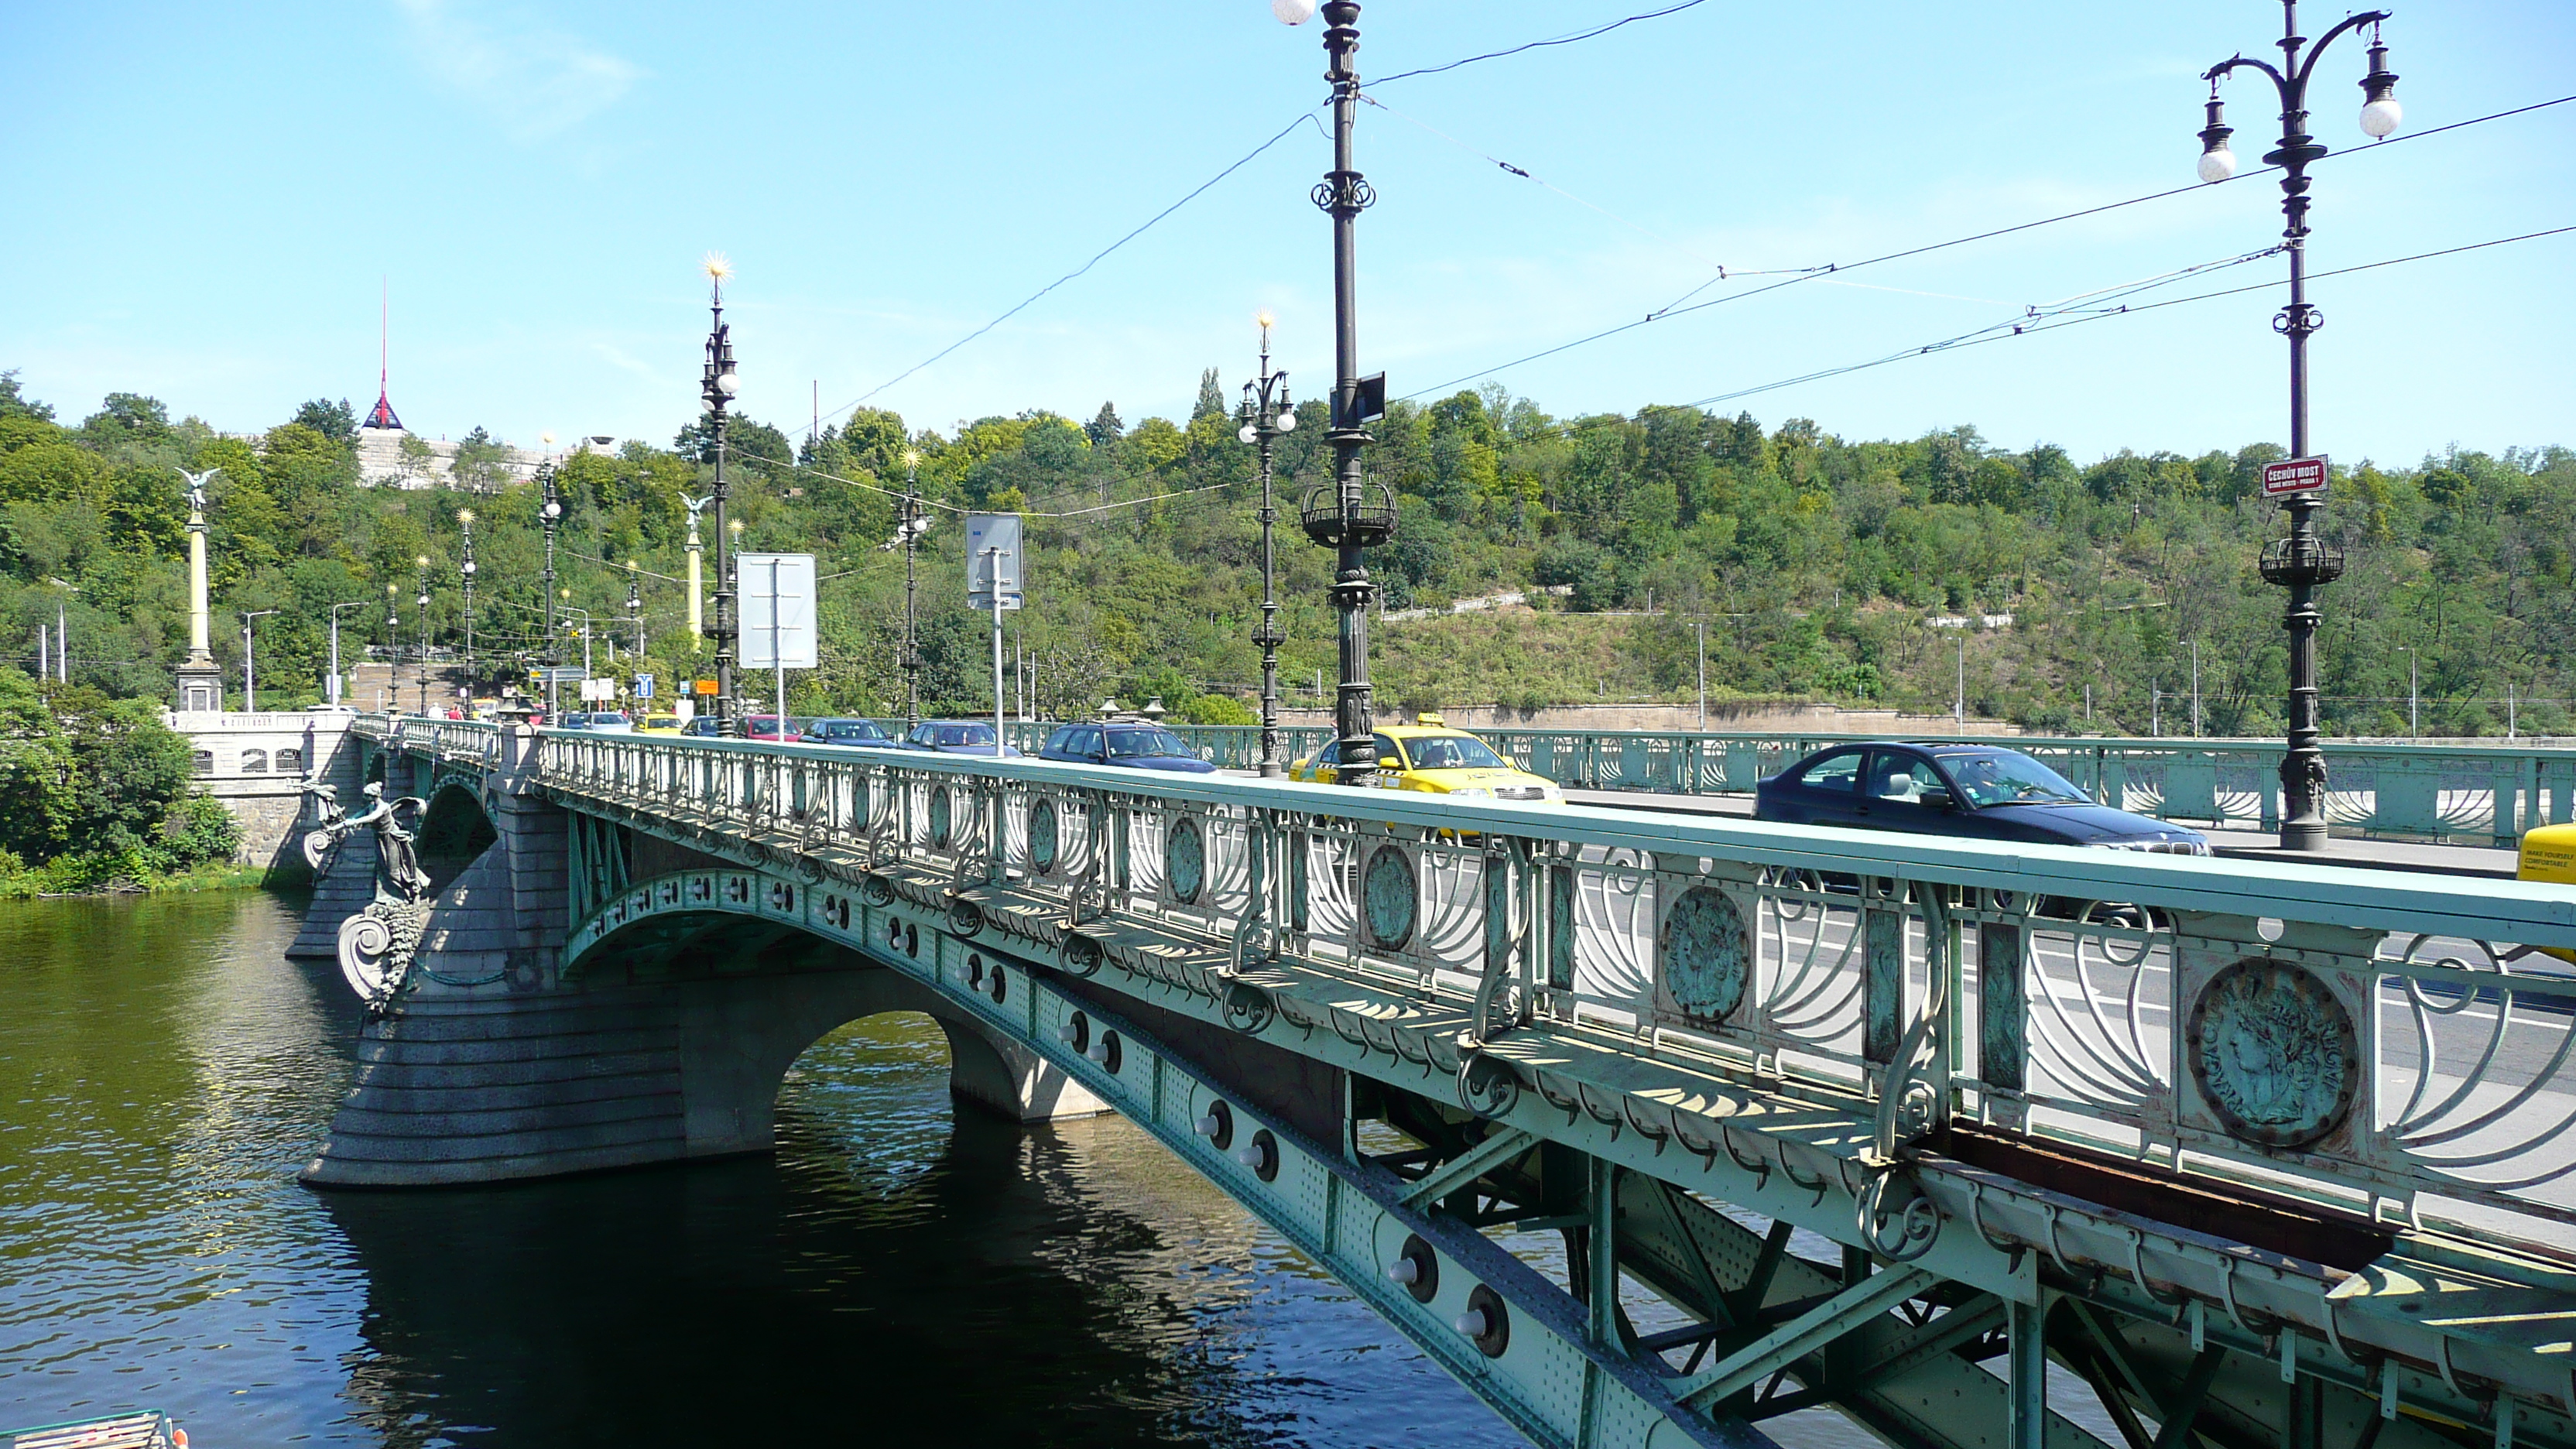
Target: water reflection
x,y
898,1267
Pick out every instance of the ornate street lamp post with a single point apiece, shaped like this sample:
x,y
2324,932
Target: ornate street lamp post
x,y
910,528
421,562
1343,516
717,387
550,513
635,606
1265,414
2303,562
465,570
393,644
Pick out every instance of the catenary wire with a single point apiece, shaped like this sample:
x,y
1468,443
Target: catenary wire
x,y
1678,306
2105,314
1097,258
1541,44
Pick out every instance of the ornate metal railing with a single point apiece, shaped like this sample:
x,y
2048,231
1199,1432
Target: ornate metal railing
x,y
2389,1045
2481,793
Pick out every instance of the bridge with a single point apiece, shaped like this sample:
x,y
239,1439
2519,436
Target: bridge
x,y
1647,1126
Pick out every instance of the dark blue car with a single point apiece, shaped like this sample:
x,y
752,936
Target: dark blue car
x,y
955,737
862,733
1981,792
1134,746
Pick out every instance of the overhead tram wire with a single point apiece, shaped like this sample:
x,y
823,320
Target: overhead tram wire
x,y
1239,164
1541,44
1677,308
1993,334
1304,118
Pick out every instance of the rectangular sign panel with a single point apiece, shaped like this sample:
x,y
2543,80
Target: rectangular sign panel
x,y
993,561
643,686
777,610
2294,475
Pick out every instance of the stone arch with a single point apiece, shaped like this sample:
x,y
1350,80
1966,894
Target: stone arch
x,y
758,993
455,831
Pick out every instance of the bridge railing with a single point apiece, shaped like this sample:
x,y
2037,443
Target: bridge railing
x,y
2484,793
2393,1046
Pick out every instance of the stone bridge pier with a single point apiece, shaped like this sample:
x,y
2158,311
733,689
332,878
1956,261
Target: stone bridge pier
x,y
668,1042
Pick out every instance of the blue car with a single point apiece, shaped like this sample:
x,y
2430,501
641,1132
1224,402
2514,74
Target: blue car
x,y
1979,792
860,733
955,737
1134,746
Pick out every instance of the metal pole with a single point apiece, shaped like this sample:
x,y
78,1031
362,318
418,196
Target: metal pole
x,y
62,643
1352,526
2414,716
44,656
1959,712
1267,414
778,644
911,587
551,510
250,687
2303,562
335,654
721,382
2195,689
1701,625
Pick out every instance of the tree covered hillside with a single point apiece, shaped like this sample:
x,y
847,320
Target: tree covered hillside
x,y
1814,562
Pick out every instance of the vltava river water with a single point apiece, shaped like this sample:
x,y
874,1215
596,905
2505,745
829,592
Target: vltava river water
x,y
900,1272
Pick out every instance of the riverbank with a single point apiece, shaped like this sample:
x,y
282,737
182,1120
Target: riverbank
x,y
47,883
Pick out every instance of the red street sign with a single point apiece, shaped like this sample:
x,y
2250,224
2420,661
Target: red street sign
x,y
2294,475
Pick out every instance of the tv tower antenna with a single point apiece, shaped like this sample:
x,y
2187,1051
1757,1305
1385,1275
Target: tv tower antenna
x,y
383,416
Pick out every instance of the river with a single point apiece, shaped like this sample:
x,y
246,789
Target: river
x,y
899,1270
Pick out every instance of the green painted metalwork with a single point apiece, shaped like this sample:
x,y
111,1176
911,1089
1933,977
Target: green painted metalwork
x,y
1762,1110
1185,857
1706,954
1042,837
2003,1056
2273,1052
1390,892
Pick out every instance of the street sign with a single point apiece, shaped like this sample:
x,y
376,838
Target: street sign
x,y
643,686
777,610
993,561
703,686
560,674
2294,475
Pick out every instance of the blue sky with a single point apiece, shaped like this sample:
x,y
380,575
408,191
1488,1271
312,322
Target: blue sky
x,y
202,201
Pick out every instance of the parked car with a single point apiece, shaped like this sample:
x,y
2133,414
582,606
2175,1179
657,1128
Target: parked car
x,y
574,721
774,728
1978,792
857,733
955,737
610,722
658,724
1428,755
1134,745
704,727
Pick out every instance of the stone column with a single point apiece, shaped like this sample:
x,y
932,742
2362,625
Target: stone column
x,y
201,680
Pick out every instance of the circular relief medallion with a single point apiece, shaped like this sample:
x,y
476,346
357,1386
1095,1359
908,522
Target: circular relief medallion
x,y
939,818
1706,958
1389,892
1042,843
1185,856
2273,1053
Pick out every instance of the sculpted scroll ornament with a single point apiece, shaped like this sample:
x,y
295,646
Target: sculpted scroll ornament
x,y
377,943
2273,1053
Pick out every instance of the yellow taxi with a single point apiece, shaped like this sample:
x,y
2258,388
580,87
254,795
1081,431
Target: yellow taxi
x,y
657,724
1428,755
2549,854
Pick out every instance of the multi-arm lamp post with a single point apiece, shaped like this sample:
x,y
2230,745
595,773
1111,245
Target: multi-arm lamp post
x,y
911,531
1265,414
421,561
717,386
465,570
1343,516
550,513
2303,562
393,643
635,604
